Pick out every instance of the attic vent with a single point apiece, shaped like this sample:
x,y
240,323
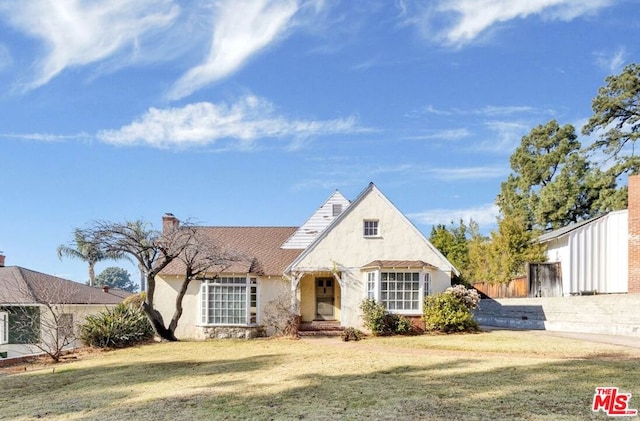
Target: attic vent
x,y
337,209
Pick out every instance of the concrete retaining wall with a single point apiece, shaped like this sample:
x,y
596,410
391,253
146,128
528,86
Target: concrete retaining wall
x,y
617,314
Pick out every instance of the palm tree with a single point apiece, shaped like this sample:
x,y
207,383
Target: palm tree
x,y
87,251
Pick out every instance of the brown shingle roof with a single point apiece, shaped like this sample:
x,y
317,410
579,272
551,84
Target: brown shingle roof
x,y
23,286
259,247
397,264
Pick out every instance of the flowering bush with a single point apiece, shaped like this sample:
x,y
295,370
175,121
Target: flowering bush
x,y
469,297
450,311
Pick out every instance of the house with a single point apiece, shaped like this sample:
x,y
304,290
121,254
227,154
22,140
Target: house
x,y
602,254
593,254
39,312
344,253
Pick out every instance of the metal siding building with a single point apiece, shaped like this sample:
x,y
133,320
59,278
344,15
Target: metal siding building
x,y
593,254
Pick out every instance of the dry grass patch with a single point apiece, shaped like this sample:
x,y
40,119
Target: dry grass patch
x,y
381,378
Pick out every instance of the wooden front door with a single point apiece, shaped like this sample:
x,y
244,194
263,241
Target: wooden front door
x,y
324,298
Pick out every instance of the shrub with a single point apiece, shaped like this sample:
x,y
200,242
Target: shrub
x,y
374,315
380,322
404,326
450,311
120,327
469,297
351,334
278,316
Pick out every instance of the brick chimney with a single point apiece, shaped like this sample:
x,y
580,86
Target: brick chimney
x,y
105,288
634,234
1,260
169,222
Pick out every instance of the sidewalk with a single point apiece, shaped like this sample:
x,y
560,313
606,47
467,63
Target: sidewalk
x,y
628,341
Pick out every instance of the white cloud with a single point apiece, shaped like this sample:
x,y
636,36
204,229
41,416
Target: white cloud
x,y
446,134
484,215
78,33
5,57
487,111
470,173
241,29
495,110
612,62
458,22
44,137
204,123
506,136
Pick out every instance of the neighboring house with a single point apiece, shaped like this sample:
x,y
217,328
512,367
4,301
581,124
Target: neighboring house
x,y
344,253
593,254
602,254
40,311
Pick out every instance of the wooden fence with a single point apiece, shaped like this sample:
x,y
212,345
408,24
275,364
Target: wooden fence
x,y
516,288
542,280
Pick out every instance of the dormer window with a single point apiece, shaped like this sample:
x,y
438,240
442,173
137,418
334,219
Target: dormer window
x,y
371,228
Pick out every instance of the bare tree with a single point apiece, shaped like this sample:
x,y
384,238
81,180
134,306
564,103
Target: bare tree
x,y
44,322
153,251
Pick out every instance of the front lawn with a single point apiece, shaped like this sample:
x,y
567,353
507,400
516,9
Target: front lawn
x,y
495,375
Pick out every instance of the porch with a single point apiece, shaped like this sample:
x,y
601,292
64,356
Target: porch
x,y
318,298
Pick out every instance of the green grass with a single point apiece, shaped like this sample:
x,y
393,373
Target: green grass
x,y
496,375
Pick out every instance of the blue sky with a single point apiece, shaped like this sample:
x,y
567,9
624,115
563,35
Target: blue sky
x,y
253,112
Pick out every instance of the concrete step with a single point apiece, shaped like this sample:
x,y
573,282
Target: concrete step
x,y
320,328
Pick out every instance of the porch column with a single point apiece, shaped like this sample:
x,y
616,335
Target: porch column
x,y
295,303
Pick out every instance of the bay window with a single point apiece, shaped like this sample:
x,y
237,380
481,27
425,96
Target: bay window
x,y
399,291
229,301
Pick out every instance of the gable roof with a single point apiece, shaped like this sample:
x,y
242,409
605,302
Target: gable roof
x,y
317,222
24,286
260,247
368,190
560,232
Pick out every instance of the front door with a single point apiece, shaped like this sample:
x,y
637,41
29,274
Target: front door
x,y
324,298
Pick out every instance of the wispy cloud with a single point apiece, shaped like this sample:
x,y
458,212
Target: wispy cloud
x,y
484,215
459,22
612,61
486,111
204,123
78,33
45,137
447,134
241,29
5,57
505,136
470,173
495,110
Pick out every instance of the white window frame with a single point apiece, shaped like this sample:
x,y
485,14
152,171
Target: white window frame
x,y
251,296
372,284
374,288
368,225
4,327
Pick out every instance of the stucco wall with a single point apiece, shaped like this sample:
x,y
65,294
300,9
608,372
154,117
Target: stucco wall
x,y
189,327
346,250
80,312
345,245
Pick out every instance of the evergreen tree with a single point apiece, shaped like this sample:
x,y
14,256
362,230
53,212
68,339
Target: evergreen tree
x,y
617,118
